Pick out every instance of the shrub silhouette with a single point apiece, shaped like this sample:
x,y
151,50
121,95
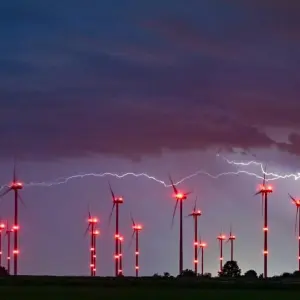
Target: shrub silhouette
x,y
230,269
3,272
296,274
187,273
250,274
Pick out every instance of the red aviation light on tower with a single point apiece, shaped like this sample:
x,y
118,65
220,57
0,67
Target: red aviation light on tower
x,y
93,220
202,245
2,226
118,200
16,185
222,237
137,227
232,237
180,196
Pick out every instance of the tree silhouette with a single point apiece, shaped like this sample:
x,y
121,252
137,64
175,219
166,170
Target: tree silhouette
x,y
3,272
296,274
250,274
207,275
230,269
187,273
167,274
286,275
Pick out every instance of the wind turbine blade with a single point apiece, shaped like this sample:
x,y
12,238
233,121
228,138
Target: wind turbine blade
x,y
110,216
292,198
89,211
111,191
5,192
296,223
22,201
87,229
173,186
195,205
131,239
262,204
257,193
132,219
14,171
188,193
174,212
264,175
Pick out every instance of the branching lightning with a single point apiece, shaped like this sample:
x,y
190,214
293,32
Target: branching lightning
x,y
270,176
274,176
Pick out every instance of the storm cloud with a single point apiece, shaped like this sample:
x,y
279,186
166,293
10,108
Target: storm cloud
x,y
132,79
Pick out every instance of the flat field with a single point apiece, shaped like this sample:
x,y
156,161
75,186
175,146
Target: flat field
x,y
136,293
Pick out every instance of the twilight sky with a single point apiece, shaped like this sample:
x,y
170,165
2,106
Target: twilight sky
x,y
156,87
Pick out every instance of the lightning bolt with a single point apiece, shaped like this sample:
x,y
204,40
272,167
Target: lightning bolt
x,y
274,176
271,176
64,180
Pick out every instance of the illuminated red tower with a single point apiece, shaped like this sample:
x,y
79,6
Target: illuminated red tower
x,y
8,232
180,197
116,202
221,238
202,246
136,230
15,186
231,239
264,191
196,213
297,224
2,227
121,240
92,221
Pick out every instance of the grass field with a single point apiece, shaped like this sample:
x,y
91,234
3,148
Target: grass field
x,y
84,293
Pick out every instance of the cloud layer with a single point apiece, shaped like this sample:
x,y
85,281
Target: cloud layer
x,y
134,79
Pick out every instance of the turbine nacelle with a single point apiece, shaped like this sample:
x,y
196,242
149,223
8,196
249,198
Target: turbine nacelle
x,y
263,189
118,200
196,213
180,196
16,185
202,245
137,227
221,237
232,237
93,220
2,226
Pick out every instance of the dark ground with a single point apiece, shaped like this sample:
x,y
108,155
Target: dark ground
x,y
87,293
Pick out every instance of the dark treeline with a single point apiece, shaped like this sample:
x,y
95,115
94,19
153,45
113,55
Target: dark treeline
x,y
229,278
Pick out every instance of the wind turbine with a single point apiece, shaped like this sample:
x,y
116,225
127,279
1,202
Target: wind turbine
x,y
180,197
121,239
116,202
264,191
8,232
92,221
2,227
202,246
297,204
15,186
136,230
231,238
221,237
196,213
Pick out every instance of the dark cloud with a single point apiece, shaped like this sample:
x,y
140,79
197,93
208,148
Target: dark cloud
x,y
145,77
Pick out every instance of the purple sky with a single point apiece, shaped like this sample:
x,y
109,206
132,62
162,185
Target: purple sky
x,y
155,87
